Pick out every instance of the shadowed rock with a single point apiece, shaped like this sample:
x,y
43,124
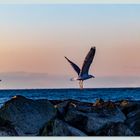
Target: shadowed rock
x,y
99,102
115,129
133,122
22,116
128,106
6,128
62,107
57,127
92,122
27,115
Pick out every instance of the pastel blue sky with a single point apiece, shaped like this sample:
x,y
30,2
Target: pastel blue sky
x,y
67,1
35,39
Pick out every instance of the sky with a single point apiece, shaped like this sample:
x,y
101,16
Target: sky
x,y
34,38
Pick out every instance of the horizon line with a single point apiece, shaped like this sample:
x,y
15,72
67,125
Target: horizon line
x,y
123,87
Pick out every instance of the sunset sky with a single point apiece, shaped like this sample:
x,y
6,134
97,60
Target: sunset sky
x,y
35,38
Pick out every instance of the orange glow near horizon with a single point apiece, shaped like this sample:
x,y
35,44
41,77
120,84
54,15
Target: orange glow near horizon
x,y
40,46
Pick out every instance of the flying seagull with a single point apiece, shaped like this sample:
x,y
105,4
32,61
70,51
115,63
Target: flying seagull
x,y
83,72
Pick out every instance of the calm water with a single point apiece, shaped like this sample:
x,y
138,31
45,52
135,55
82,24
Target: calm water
x,y
87,95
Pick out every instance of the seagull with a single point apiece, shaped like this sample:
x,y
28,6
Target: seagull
x,y
83,72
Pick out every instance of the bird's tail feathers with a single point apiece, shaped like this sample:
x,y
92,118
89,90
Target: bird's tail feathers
x,y
73,79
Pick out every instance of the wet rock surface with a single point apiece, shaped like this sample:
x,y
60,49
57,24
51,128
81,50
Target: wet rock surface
x,y
21,116
6,128
133,121
58,127
90,123
115,129
26,114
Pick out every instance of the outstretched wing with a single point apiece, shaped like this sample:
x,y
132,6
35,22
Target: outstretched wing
x,y
75,67
88,60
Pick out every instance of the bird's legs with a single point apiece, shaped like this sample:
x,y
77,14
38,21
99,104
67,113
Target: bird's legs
x,y
81,84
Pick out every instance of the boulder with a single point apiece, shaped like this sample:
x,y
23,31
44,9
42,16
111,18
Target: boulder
x,y
6,128
92,122
84,108
132,112
27,115
98,102
133,122
76,118
115,129
64,106
55,102
128,106
57,127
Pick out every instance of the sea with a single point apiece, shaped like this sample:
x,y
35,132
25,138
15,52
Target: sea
x,y
85,95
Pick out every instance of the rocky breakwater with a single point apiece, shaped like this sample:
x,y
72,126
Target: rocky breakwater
x,y
25,117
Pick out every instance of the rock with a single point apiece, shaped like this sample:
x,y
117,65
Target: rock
x,y
105,105
57,127
6,128
124,103
115,129
55,102
84,108
92,122
135,127
28,115
133,122
76,118
132,112
62,107
98,102
128,106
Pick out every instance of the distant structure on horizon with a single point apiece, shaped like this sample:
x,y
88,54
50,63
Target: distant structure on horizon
x,y
83,73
